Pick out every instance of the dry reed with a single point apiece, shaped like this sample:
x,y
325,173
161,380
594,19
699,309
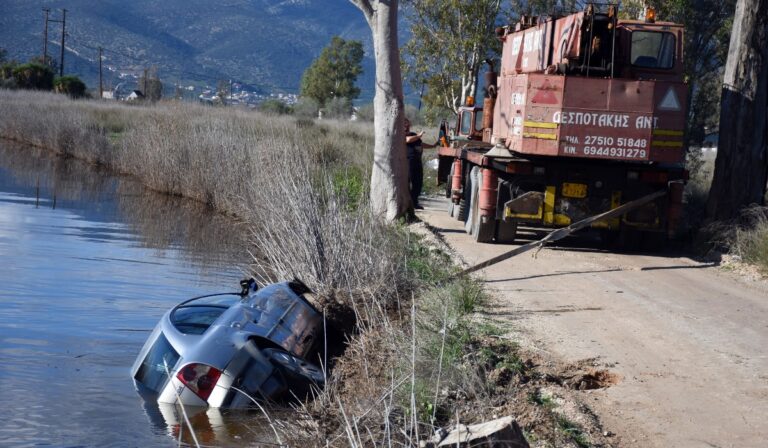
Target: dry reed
x,y
300,186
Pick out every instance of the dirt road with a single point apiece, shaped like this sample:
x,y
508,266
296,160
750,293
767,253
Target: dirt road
x,y
689,340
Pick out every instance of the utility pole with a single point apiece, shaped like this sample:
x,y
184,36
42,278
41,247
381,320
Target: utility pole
x,y
46,11
63,22
145,84
101,80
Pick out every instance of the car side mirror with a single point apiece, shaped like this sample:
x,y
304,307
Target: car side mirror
x,y
247,285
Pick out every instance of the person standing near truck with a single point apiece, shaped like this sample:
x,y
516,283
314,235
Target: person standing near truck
x,y
415,147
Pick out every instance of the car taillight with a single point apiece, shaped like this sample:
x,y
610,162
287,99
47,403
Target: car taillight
x,y
200,378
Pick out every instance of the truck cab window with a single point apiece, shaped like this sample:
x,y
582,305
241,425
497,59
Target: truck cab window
x,y
651,49
479,121
465,123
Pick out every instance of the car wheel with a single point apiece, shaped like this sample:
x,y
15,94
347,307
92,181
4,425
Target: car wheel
x,y
300,374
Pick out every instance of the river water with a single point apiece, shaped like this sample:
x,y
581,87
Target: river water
x,y
88,264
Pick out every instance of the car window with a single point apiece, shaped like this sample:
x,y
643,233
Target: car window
x,y
195,319
152,372
651,49
225,300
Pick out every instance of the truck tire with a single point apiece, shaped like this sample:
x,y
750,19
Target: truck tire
x,y
473,188
482,232
506,232
462,212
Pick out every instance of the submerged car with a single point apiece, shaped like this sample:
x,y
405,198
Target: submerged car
x,y
224,350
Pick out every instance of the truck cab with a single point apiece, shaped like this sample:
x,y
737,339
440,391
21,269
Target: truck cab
x,y
469,124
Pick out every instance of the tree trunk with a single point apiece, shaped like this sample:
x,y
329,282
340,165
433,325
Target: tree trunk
x,y
390,197
741,166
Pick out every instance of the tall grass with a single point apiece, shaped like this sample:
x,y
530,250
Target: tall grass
x,y
748,239
301,187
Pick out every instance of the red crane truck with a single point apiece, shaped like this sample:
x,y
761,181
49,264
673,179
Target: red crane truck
x,y
587,112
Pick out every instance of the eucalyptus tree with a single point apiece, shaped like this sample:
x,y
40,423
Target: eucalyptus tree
x,y
741,167
450,40
390,198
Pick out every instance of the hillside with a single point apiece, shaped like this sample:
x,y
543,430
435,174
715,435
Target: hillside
x,y
266,44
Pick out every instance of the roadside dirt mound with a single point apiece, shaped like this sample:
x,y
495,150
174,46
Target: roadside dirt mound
x,y
593,379
582,375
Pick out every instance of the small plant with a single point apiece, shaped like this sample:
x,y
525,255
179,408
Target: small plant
x,y
541,399
572,431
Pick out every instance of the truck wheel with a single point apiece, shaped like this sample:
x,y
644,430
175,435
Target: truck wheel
x,y
473,188
461,211
465,204
506,232
482,232
449,183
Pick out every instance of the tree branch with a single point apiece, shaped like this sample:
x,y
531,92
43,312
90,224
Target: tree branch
x,y
365,7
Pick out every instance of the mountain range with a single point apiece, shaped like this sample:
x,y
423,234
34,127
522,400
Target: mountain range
x,y
265,44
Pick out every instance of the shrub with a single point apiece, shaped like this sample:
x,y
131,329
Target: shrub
x,y
33,76
275,107
338,108
70,85
365,112
750,240
6,70
306,108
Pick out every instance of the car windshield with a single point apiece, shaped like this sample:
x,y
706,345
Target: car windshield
x,y
195,319
152,372
652,49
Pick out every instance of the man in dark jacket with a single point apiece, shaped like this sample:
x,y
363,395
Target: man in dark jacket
x,y
414,147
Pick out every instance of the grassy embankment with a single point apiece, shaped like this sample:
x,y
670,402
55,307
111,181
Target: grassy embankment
x,y
746,237
418,354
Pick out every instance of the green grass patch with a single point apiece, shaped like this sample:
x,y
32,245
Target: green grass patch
x,y
426,265
572,431
349,184
751,241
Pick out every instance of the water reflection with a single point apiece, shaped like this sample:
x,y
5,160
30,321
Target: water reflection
x,y
88,264
161,221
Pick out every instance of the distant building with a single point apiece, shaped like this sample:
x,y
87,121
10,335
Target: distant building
x,y
135,96
108,95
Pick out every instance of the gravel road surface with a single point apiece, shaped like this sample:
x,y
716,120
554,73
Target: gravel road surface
x,y
688,339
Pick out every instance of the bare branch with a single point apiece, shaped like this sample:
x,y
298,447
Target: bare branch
x,y
366,7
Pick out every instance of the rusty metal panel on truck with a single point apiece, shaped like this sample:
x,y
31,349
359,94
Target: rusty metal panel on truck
x,y
591,117
527,51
